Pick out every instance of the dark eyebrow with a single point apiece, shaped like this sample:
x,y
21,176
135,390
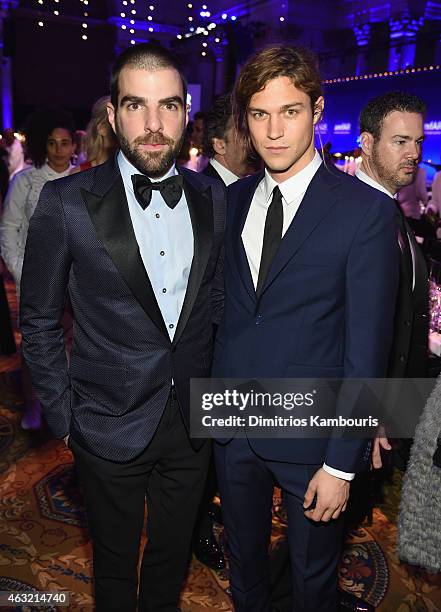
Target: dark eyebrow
x,y
286,106
282,108
132,100
422,137
176,99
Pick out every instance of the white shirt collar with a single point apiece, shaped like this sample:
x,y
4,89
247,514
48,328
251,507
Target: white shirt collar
x,y
296,185
370,181
127,169
226,175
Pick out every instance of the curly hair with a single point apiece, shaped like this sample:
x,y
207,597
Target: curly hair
x,y
37,128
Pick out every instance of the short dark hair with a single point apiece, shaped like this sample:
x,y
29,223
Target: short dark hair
x,y
37,128
217,122
145,56
297,63
377,109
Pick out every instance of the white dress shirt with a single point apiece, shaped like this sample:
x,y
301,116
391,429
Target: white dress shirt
x,y
373,183
226,175
165,239
293,190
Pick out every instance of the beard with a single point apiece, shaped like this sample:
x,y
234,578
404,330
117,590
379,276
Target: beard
x,y
391,175
151,163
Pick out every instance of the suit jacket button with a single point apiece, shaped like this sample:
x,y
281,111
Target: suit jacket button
x,y
402,358
407,323
259,319
173,349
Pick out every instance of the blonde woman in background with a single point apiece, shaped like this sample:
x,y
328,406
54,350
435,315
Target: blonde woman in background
x,y
100,139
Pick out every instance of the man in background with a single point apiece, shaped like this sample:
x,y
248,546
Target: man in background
x,y
392,135
223,145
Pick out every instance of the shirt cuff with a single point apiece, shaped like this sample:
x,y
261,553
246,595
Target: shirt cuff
x,y
338,473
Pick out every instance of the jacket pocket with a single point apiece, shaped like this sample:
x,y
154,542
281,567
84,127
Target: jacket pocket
x,y
100,386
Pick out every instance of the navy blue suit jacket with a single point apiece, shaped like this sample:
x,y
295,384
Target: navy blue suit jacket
x,y
81,242
327,307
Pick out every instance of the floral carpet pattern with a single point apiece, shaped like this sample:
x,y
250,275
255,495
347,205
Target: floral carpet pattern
x,y
44,543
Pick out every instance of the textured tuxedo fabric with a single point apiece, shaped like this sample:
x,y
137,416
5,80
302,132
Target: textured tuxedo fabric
x,y
81,240
128,427
171,475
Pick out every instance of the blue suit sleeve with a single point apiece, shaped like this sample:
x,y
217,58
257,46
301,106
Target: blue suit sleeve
x,y
372,275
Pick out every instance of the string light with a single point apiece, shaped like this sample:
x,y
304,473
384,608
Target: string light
x,y
84,25
379,75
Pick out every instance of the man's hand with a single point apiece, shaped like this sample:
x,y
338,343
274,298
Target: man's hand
x,y
66,440
332,495
380,440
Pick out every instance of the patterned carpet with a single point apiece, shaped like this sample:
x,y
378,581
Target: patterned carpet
x,y
44,544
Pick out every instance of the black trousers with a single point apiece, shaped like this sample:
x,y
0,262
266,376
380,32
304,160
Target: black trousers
x,y
246,484
171,475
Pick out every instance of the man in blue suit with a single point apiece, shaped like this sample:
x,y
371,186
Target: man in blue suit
x,y
311,269
136,244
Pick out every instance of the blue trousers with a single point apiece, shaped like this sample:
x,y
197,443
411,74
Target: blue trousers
x,y
246,484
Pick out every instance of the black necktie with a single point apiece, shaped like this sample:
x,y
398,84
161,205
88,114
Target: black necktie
x,y
404,242
272,237
170,189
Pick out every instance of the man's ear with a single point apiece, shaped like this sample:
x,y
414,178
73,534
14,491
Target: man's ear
x,y
187,113
366,143
219,145
111,115
318,110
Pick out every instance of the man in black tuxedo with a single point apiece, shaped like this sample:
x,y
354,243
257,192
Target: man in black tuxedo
x,y
392,134
223,145
136,243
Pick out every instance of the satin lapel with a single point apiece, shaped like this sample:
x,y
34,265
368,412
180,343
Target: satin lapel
x,y
200,206
421,272
319,198
111,218
242,206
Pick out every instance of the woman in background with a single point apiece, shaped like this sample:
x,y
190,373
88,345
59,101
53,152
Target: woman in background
x,y
100,139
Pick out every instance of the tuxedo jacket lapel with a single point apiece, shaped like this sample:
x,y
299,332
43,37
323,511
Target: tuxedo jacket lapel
x,y
319,198
200,206
109,212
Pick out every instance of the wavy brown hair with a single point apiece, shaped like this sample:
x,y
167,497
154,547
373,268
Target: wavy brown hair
x,y
297,63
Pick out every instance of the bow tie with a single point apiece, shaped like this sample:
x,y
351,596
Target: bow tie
x,y
170,189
